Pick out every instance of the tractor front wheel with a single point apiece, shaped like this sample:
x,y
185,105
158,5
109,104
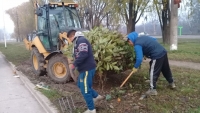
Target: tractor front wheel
x,y
58,69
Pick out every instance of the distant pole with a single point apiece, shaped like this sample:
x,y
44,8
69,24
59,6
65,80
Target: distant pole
x,y
4,34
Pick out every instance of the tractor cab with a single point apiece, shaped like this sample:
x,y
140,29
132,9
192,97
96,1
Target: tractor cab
x,y
54,19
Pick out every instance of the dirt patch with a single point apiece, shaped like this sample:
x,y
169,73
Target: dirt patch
x,y
113,82
26,68
126,99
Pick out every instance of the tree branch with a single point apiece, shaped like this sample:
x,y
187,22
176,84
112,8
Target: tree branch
x,y
102,18
142,11
138,5
155,1
126,15
102,9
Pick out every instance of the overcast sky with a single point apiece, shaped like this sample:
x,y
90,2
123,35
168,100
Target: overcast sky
x,y
5,5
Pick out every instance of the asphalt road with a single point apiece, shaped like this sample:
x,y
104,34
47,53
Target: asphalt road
x,y
14,96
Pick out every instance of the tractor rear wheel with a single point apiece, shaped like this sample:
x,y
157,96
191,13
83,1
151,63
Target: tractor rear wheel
x,y
58,69
37,62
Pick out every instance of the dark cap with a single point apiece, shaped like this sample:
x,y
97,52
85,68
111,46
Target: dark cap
x,y
70,32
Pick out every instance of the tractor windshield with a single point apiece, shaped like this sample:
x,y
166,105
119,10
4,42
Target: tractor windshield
x,y
64,18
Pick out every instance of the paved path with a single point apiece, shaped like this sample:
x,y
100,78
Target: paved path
x,y
14,96
190,65
184,36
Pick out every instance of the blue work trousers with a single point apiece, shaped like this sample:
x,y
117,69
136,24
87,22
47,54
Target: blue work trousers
x,y
85,84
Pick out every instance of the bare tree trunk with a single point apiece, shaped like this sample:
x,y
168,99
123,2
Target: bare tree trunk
x,y
173,26
130,26
166,34
91,15
166,21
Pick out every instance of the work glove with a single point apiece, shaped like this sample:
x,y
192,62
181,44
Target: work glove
x,y
134,70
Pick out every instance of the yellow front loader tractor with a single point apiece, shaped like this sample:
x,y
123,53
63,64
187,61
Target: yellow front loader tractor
x,y
53,21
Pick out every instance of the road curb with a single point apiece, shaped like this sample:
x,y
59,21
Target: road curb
x,y
45,103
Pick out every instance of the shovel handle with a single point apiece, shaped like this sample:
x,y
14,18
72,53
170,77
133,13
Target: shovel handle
x,y
126,79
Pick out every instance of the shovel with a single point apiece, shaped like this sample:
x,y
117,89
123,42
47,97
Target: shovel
x,y
118,99
143,96
126,79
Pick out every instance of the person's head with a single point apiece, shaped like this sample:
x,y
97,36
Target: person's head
x,y
71,35
130,42
132,37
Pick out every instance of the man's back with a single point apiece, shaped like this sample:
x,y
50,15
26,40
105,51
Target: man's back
x,y
150,47
84,55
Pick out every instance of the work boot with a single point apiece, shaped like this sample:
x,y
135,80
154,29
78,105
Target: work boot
x,y
98,98
172,85
90,111
151,92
